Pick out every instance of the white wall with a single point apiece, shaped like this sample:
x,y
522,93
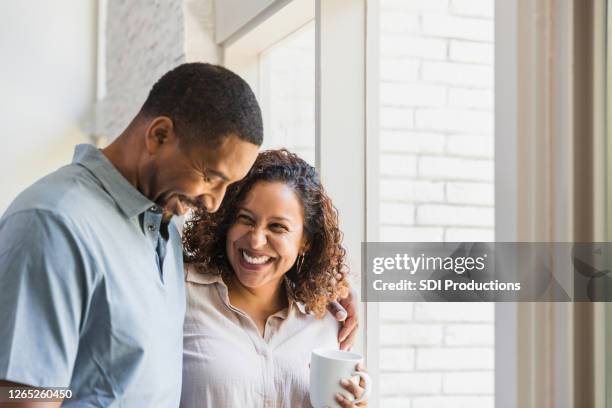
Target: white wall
x,y
46,87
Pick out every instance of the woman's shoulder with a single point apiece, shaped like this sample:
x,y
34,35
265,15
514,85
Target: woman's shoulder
x,y
205,290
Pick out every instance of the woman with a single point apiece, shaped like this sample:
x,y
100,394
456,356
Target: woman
x,y
260,273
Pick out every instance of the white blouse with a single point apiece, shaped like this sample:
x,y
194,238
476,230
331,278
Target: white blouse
x,y
226,361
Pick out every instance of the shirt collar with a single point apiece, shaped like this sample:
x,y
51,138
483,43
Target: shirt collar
x,y
195,276
128,198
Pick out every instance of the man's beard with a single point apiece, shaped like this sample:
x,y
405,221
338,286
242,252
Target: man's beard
x,y
178,202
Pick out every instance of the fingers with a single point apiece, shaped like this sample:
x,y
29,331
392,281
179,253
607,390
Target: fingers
x,y
348,332
337,310
347,335
349,301
356,390
346,403
352,388
363,369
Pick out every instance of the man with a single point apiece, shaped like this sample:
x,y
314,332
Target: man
x,y
91,269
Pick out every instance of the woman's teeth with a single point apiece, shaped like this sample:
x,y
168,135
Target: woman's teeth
x,y
259,260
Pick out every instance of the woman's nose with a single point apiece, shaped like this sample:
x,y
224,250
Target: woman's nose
x,y
257,238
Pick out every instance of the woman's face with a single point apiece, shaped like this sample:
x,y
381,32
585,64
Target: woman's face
x,y
267,234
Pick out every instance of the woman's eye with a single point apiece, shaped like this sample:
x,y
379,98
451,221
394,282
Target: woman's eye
x,y
244,219
279,228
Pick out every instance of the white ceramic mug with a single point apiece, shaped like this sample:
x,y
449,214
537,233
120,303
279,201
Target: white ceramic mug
x,y
327,368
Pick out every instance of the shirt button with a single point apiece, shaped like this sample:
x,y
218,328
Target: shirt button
x,y
154,208
151,227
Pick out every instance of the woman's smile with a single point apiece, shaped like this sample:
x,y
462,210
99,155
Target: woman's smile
x,y
251,260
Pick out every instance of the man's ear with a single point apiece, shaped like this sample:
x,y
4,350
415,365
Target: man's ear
x,y
159,132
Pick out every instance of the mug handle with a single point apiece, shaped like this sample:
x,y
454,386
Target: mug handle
x,y
368,386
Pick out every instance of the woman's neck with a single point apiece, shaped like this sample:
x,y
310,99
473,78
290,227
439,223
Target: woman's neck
x,y
258,302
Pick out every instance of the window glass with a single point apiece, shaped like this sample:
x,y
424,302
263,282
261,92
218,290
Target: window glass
x,y
287,93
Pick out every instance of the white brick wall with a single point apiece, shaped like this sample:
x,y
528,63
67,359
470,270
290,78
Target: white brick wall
x,y
411,142
411,334
453,402
454,120
480,8
396,118
145,39
457,27
411,383
399,46
468,51
476,382
458,313
436,184
396,165
456,358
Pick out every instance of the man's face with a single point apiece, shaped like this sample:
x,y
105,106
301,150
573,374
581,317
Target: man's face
x,y
180,177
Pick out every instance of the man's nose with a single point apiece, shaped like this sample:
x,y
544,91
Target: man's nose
x,y
212,201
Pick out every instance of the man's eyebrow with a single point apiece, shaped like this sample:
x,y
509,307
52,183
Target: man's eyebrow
x,y
217,173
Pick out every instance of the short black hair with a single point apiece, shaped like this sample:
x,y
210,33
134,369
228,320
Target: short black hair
x,y
206,103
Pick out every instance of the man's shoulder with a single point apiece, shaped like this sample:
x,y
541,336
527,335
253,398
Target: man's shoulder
x,y
66,193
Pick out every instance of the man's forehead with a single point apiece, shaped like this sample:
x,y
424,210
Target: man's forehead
x,y
232,159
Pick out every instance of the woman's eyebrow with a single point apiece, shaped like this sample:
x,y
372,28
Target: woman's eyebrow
x,y
277,218
281,219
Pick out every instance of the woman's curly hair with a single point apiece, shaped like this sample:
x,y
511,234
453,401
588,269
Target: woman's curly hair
x,y
323,275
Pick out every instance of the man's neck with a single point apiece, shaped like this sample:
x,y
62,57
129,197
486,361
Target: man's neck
x,y
121,154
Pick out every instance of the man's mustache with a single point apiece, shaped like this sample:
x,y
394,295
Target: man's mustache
x,y
192,204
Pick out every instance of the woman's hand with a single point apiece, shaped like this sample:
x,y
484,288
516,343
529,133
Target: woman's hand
x,y
345,311
356,390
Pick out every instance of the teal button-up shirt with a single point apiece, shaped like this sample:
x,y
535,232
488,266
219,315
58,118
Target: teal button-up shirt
x,y
90,297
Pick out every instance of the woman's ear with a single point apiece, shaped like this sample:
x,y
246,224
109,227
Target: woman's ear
x,y
305,247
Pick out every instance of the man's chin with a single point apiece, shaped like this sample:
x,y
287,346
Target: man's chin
x,y
176,206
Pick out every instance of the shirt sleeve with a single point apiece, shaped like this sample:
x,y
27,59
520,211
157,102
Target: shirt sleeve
x,y
43,295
